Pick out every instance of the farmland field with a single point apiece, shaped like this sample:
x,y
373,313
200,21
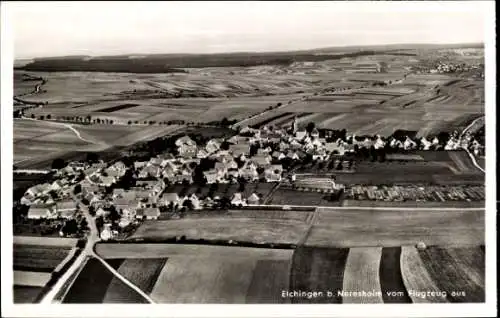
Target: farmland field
x,y
206,274
238,229
34,264
352,228
223,274
38,258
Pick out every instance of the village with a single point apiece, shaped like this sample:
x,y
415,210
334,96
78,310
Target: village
x,y
121,195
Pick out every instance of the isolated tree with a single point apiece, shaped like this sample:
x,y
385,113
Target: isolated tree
x,y
77,189
58,163
42,117
49,117
33,116
70,227
129,122
310,127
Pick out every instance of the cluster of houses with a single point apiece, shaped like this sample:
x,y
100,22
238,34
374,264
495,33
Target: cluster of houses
x,y
415,193
50,201
251,155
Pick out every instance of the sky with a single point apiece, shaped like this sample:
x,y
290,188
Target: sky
x,y
108,28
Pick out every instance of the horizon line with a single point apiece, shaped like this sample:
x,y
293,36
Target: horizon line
x,y
257,51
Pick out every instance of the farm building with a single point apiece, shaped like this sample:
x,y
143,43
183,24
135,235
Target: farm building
x,y
253,199
317,184
238,200
43,211
273,173
168,198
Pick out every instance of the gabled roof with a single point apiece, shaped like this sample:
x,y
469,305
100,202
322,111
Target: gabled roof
x,y
253,198
170,196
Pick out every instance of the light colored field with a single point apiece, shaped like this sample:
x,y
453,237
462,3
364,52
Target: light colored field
x,y
140,250
244,229
362,274
357,228
210,274
203,280
25,278
417,280
48,241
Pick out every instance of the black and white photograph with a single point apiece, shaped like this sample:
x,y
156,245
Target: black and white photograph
x,y
248,153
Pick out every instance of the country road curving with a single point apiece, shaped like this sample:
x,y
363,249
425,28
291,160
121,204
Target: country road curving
x,y
89,251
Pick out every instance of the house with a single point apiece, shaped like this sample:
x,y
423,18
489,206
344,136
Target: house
x,y
124,222
202,153
211,176
101,212
233,173
151,213
295,145
301,134
273,173
106,233
195,201
249,171
155,161
42,211
106,181
261,161
168,198
239,149
237,139
425,143
186,147
238,200
213,145
335,147
56,185
379,143
66,214
315,133
293,155
409,144
67,205
184,176
140,164
253,199
25,201
37,190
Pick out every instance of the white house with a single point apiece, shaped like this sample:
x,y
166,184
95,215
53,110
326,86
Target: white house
x,y
238,200
273,173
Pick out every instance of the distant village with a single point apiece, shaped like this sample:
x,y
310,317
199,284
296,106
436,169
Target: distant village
x,y
120,195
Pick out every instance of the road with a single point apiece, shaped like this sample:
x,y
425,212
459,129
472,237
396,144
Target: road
x,y
472,157
92,239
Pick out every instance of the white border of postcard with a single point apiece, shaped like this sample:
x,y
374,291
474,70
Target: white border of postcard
x,y
345,310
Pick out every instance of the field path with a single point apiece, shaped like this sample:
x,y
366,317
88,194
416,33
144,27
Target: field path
x,y
70,127
362,275
472,157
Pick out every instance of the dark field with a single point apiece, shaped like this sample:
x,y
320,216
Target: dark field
x,y
117,108
26,294
318,269
38,258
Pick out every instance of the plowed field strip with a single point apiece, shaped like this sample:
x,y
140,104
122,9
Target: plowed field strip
x,y
417,279
318,269
391,282
362,276
450,275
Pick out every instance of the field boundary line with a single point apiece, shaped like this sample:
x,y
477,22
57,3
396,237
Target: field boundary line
x,y
382,208
123,279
